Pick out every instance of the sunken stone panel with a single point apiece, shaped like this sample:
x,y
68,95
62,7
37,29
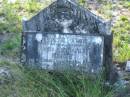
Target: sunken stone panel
x,y
63,52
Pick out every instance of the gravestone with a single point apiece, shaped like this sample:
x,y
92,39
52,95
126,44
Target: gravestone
x,y
65,36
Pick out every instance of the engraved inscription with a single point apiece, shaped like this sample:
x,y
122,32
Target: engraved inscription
x,y
63,52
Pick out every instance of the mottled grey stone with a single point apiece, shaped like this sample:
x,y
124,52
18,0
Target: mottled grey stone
x,y
65,36
5,75
127,66
61,52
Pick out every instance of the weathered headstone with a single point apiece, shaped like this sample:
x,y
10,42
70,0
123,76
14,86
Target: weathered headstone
x,y
64,36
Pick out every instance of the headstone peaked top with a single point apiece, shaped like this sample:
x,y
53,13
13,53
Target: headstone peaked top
x,y
65,36
65,10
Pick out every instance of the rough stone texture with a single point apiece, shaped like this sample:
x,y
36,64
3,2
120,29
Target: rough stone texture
x,y
127,66
71,52
67,20
5,75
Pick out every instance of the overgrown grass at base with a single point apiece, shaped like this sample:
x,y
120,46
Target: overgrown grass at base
x,y
40,83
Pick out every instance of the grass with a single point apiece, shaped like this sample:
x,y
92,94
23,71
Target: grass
x,y
126,4
121,41
13,13
106,10
40,83
11,47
